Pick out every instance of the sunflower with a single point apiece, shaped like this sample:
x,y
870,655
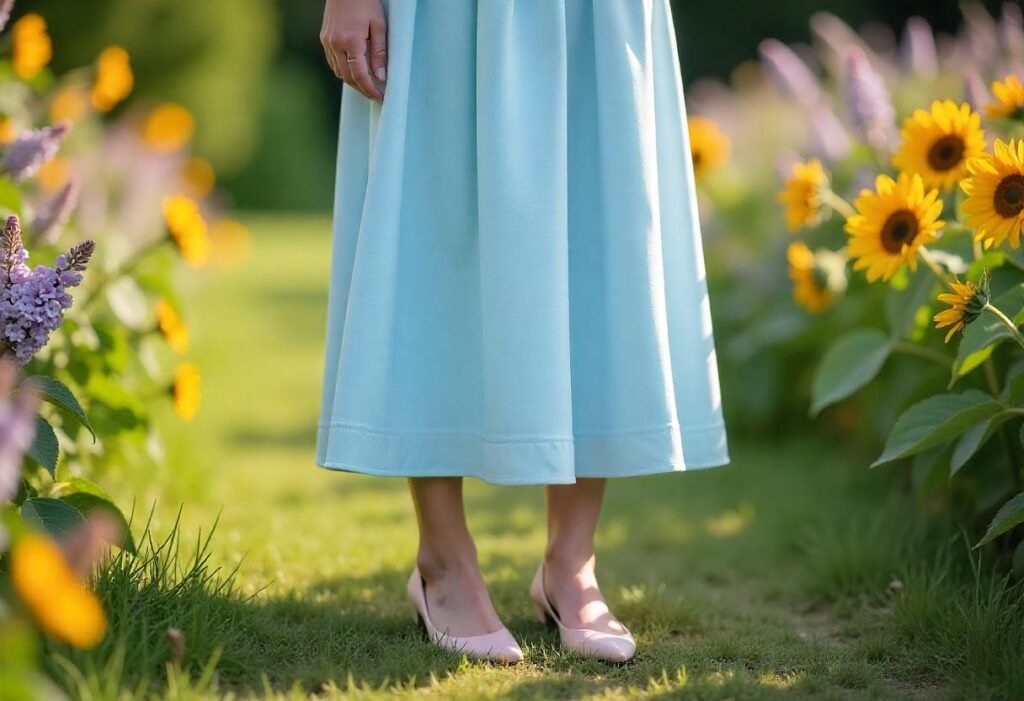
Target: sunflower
x,y
114,78
1010,96
802,194
186,391
33,48
891,225
995,194
966,303
188,229
171,326
52,591
709,146
810,281
938,143
8,130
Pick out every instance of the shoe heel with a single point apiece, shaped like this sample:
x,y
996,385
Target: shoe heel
x,y
543,616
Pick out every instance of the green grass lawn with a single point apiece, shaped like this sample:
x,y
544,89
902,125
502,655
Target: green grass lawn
x,y
793,573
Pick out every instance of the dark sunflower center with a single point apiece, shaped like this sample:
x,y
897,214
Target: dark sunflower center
x,y
1009,197
900,229
946,153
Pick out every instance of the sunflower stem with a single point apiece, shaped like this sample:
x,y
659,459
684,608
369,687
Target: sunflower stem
x,y
1005,320
922,352
837,203
934,266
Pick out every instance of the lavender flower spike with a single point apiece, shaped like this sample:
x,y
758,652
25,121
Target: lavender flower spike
x,y
32,149
53,215
32,302
789,72
5,12
918,50
868,105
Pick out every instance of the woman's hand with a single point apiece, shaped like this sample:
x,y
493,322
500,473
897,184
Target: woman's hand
x,y
348,24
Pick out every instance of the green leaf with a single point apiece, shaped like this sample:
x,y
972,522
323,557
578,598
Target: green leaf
x,y
975,437
851,362
981,337
1018,561
57,393
902,306
51,515
1012,514
935,420
85,503
81,484
44,449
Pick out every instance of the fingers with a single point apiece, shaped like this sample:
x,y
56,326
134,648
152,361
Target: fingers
x,y
354,49
379,49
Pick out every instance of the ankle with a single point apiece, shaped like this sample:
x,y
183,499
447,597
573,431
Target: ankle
x,y
560,563
439,563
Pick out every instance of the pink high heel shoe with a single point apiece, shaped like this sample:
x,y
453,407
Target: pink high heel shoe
x,y
608,647
498,646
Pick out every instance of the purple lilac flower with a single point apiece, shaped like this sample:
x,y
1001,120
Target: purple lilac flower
x,y
53,215
1011,26
32,149
5,12
831,141
867,101
981,34
789,72
32,301
918,51
975,90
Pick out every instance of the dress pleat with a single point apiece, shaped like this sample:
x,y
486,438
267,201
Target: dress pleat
x,y
517,287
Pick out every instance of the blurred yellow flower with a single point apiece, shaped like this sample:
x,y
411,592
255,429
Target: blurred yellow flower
x,y
53,174
186,391
172,326
232,242
709,146
49,587
810,282
32,46
114,79
995,194
8,130
168,128
199,175
188,229
802,194
69,104
966,303
891,225
1010,99
937,143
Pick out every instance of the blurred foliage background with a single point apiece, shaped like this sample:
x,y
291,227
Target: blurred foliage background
x,y
266,105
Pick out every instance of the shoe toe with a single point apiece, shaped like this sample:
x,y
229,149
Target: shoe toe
x,y
611,648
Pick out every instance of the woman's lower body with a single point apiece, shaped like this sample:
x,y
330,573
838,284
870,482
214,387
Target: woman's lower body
x,y
518,290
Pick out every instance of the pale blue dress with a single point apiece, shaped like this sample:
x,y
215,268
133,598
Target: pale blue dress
x,y
517,285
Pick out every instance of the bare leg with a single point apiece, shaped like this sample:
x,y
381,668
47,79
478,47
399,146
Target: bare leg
x,y
569,577
457,597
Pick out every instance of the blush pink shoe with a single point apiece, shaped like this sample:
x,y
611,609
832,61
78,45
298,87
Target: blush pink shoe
x,y
498,646
608,647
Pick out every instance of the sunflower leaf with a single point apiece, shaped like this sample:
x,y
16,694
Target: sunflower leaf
x,y
975,437
45,450
936,420
849,364
1011,514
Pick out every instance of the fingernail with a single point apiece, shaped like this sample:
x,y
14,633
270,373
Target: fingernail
x,y
381,75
